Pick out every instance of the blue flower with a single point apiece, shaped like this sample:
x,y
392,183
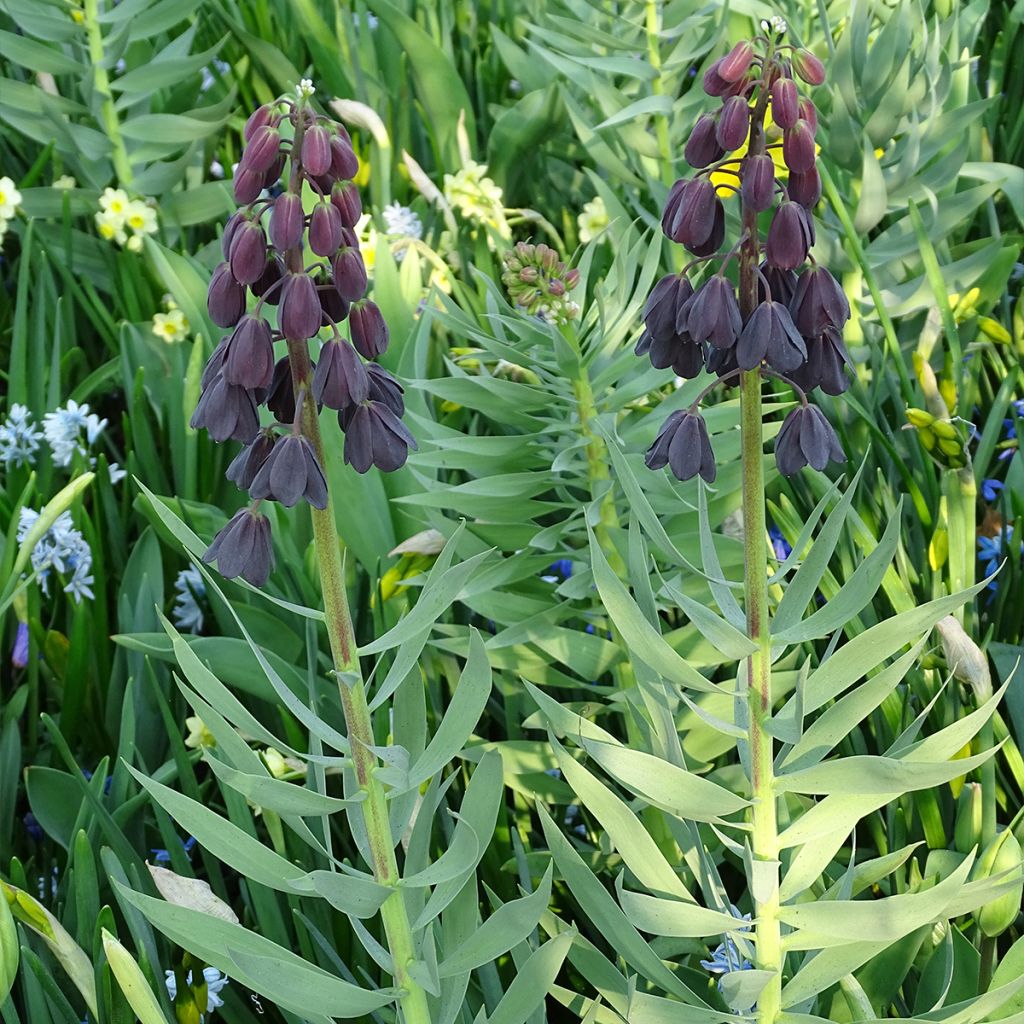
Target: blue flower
x,y
33,828
560,570
19,653
990,489
726,957
161,856
780,545
991,552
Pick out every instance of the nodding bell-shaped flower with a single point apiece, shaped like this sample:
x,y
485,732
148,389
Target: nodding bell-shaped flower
x,y
769,334
316,150
225,298
264,288
369,329
702,147
805,189
262,149
790,237
248,254
683,445
243,548
735,64
286,221
733,123
826,364
344,162
249,362
694,216
757,182
226,411
247,185
781,282
300,312
798,147
249,461
785,103
818,302
290,472
806,439
280,398
714,314
349,273
325,228
340,379
385,389
716,85
345,197
374,436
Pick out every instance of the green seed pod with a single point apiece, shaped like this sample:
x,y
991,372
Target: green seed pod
x,y
1003,854
967,834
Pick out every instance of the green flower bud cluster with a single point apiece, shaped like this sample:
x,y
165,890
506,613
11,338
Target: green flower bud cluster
x,y
944,440
539,283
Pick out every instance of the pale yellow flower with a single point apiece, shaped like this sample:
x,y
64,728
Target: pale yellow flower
x,y
474,194
115,201
171,326
111,226
593,220
134,243
198,734
367,235
140,217
65,181
9,198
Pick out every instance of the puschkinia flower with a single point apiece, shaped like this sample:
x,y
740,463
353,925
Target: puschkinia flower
x,y
189,591
402,221
64,428
61,549
215,982
19,438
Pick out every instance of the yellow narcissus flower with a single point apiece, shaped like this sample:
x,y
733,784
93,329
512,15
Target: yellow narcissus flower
x,y
140,217
115,201
171,326
111,226
593,220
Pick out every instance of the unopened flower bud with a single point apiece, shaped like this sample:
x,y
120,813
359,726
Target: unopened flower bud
x,y
261,151
243,548
369,330
264,287
225,298
733,123
805,189
259,118
349,273
335,308
300,312
247,185
572,278
345,196
967,833
248,255
684,446
316,151
790,237
785,103
286,221
529,275
809,113
798,147
808,67
702,147
236,220
325,229
1001,856
690,212
714,83
736,62
344,162
280,397
757,182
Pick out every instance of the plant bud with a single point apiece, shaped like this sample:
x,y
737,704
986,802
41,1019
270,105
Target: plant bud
x,y
345,197
291,471
340,379
374,436
809,113
683,445
572,278
808,67
349,273
798,148
702,147
225,298
529,275
324,229
243,548
248,256
369,330
299,316
344,162
249,362
259,118
806,439
789,237
714,83
272,176
249,461
964,657
785,103
1002,855
967,832
734,65
235,221
247,185
805,189
733,123
757,182
316,151
286,221
262,150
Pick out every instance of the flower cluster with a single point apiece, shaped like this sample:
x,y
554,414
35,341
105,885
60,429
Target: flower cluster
x,y
9,199
171,325
124,220
263,247
780,322
19,438
593,220
539,283
64,550
211,985
474,194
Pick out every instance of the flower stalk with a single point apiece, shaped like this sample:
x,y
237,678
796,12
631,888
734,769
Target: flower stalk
x,y
97,58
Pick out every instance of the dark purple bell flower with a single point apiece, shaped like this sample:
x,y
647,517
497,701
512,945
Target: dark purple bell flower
x,y
265,288
733,123
335,308
214,363
226,411
225,298
785,108
809,113
374,436
806,439
722,362
680,351
757,182
826,364
262,150
259,118
340,378
325,229
243,548
369,329
300,313
798,147
818,302
714,83
344,162
781,282
287,220
790,237
665,310
248,255
290,472
316,150
349,272
683,445
345,197
713,242
280,397
250,354
247,185
805,189
238,218
272,175
248,462
769,333
690,210
385,389
702,147
715,314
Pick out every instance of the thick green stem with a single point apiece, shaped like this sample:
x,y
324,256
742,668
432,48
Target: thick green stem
x,y
101,81
764,837
652,23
